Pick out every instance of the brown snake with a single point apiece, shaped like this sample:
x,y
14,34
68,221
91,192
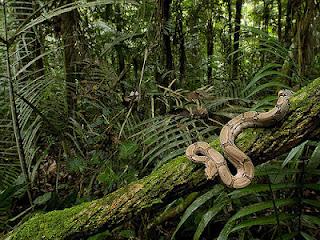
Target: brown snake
x,y
215,162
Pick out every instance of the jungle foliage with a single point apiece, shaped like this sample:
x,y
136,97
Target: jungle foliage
x,y
96,94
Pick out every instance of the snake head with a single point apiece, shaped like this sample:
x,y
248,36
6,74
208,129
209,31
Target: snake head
x,y
285,93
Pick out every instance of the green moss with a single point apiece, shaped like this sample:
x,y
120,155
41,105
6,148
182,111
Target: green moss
x,y
303,94
247,137
51,225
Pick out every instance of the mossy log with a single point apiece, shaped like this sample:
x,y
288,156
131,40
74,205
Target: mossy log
x,y
176,178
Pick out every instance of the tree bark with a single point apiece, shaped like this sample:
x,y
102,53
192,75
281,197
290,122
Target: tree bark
x,y
288,27
175,179
229,45
236,38
209,48
182,51
120,47
69,31
266,13
304,36
166,42
279,27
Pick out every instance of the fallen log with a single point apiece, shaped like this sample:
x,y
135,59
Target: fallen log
x,y
176,178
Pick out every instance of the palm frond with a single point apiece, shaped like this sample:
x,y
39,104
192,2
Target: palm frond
x,y
165,137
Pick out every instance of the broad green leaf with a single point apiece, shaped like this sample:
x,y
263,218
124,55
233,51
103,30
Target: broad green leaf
x,y
43,198
314,186
198,203
127,233
310,221
288,236
218,205
306,236
314,160
261,74
127,149
267,85
256,188
259,221
253,208
314,203
295,153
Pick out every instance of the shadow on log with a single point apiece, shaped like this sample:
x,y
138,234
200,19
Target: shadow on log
x,y
176,178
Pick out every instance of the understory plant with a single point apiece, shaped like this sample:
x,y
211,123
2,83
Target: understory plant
x,y
282,202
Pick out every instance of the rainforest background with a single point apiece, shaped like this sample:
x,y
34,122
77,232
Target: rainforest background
x,y
97,94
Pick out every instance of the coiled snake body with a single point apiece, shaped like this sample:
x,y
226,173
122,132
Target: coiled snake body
x,y
215,162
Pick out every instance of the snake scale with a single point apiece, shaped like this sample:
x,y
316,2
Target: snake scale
x,y
215,162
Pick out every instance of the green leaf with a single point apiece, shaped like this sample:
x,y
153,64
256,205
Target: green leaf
x,y
306,236
127,233
253,208
313,186
263,73
43,198
101,236
267,85
259,221
107,176
314,203
218,205
127,149
263,103
198,203
288,236
314,160
310,221
295,153
256,188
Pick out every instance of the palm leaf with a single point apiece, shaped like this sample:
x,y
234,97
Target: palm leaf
x,y
217,189
220,203
248,210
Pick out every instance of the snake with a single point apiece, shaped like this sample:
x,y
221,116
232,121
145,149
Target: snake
x,y
215,163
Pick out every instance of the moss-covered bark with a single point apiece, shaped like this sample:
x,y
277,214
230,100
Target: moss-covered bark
x,y
176,178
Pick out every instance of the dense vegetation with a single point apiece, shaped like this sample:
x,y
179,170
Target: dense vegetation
x,y
97,94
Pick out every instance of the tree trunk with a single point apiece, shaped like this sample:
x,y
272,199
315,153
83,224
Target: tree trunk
x,y
229,46
194,49
304,36
267,5
288,27
166,42
301,19
180,35
120,47
279,20
175,179
236,38
209,48
69,31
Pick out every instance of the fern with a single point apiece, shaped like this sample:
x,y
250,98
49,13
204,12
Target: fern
x,y
164,138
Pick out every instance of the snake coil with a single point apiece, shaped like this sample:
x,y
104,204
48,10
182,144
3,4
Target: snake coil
x,y
216,164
